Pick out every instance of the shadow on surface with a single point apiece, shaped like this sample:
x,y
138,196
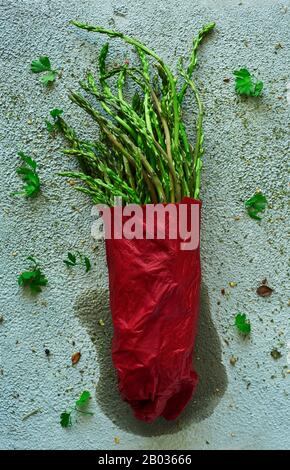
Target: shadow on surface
x,y
92,306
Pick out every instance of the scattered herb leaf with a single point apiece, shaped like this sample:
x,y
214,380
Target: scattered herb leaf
x,y
49,126
29,176
78,260
84,398
43,65
66,416
242,323
257,203
71,261
264,291
87,264
34,279
246,84
49,77
65,419
56,112
55,126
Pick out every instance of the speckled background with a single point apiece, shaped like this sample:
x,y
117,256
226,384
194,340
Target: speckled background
x,y
245,406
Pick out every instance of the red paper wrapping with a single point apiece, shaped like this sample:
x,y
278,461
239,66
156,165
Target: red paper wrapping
x,y
154,298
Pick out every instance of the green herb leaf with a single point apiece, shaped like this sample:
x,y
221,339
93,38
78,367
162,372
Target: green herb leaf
x,y
77,259
26,275
87,264
56,112
246,84
29,176
71,261
66,416
30,190
68,263
242,323
49,126
41,65
32,279
71,257
257,203
48,78
83,399
65,419
258,87
28,160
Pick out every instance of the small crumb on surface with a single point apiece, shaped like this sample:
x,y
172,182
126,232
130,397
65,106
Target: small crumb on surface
x,y
233,360
233,284
75,357
276,354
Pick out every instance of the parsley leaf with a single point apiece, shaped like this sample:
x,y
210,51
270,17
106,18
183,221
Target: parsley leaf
x,y
242,323
83,399
49,126
71,261
246,84
28,160
257,203
87,264
56,112
55,126
78,260
29,176
41,65
33,279
66,416
48,78
65,419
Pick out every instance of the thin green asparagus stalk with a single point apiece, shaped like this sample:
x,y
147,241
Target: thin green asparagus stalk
x,y
193,60
198,149
128,194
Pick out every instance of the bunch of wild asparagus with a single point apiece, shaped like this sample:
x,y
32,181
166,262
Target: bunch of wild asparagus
x,y
143,153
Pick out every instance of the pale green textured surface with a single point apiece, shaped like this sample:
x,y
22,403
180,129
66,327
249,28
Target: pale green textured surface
x,y
246,148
